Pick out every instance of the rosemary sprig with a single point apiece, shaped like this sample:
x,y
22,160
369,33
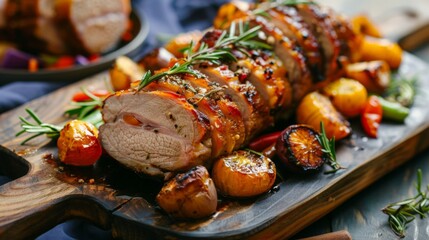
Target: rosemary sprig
x,y
328,147
51,131
220,51
403,212
38,128
265,6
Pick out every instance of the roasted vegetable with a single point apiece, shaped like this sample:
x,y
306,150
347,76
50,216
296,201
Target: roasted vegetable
x,y
182,41
363,25
82,96
315,108
374,75
189,195
347,95
381,49
78,144
243,174
300,150
393,110
402,91
264,141
124,72
371,116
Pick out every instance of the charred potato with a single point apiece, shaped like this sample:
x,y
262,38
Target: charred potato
x,y
124,72
189,195
347,95
243,174
374,75
300,150
315,108
78,144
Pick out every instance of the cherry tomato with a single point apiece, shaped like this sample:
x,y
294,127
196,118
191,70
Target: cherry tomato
x,y
371,116
81,96
264,141
78,144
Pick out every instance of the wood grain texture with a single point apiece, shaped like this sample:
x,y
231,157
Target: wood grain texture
x,y
124,201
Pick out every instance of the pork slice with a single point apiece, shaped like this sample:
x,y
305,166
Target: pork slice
x,y
254,110
323,29
154,132
292,25
290,54
267,73
226,135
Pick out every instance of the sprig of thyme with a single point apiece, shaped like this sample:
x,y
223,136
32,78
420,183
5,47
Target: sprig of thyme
x,y
328,147
403,212
220,51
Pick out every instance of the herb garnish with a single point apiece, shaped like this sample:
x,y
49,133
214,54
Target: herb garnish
x,y
220,51
265,6
403,212
328,147
85,108
38,128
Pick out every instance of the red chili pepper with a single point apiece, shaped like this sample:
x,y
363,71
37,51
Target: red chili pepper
x,y
264,141
81,96
371,116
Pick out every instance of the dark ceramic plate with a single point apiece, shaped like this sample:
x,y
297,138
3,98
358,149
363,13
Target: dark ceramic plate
x,y
140,31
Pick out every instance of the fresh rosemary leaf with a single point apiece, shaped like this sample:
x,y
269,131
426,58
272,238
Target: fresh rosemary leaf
x,y
401,213
328,147
38,128
220,52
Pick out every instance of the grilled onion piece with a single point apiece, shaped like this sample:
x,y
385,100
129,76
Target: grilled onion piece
x,y
315,108
348,96
299,149
243,174
189,195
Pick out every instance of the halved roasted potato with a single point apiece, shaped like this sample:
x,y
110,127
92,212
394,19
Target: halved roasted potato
x,y
124,72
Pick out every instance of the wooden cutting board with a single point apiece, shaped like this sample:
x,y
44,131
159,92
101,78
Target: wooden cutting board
x,y
45,193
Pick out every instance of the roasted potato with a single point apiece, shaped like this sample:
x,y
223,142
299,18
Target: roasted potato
x,y
381,49
243,174
300,150
124,72
189,195
374,75
78,144
347,95
315,108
